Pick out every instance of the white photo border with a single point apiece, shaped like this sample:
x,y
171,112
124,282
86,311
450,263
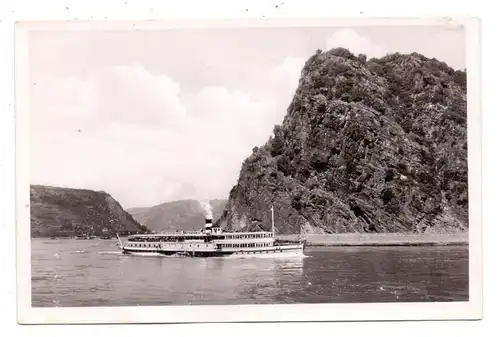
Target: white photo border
x,y
26,314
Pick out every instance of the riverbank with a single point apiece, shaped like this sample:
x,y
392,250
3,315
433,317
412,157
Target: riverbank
x,y
380,239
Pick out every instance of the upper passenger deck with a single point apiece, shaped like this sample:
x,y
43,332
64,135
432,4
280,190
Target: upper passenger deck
x,y
186,236
247,235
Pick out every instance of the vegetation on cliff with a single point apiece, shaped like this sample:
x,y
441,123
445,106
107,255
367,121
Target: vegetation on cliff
x,y
375,145
64,212
176,215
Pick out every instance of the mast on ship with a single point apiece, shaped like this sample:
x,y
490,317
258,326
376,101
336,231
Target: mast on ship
x,y
272,219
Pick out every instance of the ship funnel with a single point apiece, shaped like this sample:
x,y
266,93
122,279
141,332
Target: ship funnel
x,y
207,208
208,225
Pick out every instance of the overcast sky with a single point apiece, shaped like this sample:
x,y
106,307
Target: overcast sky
x,y
156,116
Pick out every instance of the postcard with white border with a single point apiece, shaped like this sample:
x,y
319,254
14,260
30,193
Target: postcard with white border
x,y
248,170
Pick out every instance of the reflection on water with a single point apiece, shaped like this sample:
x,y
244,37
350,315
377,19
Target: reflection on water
x,y
83,273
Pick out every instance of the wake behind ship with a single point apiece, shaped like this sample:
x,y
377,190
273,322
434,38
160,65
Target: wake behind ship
x,y
211,241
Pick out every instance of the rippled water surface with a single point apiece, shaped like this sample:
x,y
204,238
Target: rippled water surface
x,y
69,272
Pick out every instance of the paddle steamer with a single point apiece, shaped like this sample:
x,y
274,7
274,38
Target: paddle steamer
x,y
212,241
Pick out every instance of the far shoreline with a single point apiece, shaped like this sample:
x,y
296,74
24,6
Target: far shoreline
x,y
379,239
356,239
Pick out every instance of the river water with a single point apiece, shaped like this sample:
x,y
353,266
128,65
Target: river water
x,y
69,272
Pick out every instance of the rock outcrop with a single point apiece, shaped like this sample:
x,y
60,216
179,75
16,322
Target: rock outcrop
x,y
65,212
375,145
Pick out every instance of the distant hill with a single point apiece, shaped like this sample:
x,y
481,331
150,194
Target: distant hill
x,y
176,215
62,212
139,213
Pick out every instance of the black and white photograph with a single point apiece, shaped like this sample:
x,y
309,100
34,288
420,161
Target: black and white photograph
x,y
247,167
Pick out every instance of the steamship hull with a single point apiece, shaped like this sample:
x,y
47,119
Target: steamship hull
x,y
211,241
291,250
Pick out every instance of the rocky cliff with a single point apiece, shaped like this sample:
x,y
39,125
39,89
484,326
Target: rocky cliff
x,y
375,145
176,215
63,212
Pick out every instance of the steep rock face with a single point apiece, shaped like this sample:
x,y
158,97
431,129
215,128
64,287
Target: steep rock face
x,y
63,212
176,215
366,146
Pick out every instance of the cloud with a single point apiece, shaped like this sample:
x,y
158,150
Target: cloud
x,y
284,80
131,94
137,135
286,75
127,131
357,44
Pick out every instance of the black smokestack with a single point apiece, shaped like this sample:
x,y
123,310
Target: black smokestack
x,y
207,208
208,226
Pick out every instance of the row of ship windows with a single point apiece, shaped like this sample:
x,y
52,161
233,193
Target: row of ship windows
x,y
230,245
245,245
258,252
144,245
249,236
164,239
198,237
148,245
